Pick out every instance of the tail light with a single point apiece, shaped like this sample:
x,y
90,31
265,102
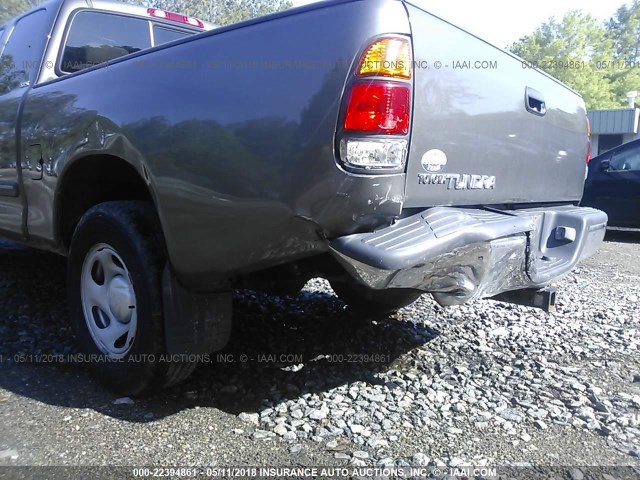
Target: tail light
x,y
378,108
588,159
389,57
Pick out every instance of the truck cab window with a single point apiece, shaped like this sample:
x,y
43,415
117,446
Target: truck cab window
x,y
165,35
96,37
20,59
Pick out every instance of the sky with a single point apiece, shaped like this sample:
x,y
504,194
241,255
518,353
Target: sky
x,y
502,22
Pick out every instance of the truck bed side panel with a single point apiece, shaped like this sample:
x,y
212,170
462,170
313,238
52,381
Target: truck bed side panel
x,y
235,128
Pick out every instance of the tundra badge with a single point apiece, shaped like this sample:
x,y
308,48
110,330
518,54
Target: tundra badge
x,y
455,181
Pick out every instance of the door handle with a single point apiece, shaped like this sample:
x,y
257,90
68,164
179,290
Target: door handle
x,y
534,102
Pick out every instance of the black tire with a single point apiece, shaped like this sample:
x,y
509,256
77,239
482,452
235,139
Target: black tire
x,y
373,302
131,230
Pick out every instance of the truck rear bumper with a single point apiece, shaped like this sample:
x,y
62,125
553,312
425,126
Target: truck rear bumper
x,y
462,254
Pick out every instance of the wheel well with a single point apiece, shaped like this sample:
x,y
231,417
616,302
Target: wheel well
x,y
93,180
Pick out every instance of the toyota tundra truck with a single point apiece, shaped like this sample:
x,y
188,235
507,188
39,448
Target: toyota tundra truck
x,y
367,142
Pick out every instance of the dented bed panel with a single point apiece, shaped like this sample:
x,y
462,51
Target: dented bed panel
x,y
241,160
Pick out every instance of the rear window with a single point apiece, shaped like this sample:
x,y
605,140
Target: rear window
x,y
165,35
96,37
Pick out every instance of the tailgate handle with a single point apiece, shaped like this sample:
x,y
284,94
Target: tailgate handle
x,y
534,101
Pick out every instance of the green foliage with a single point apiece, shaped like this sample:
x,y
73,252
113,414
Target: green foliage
x,y
12,8
624,32
574,50
606,58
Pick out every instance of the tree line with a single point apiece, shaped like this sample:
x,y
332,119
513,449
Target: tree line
x,y
601,60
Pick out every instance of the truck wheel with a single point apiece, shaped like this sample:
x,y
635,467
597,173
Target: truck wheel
x,y
115,297
371,301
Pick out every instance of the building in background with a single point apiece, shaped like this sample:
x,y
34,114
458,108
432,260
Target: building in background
x,y
610,128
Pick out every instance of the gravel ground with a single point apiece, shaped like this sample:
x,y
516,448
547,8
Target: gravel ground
x,y
305,381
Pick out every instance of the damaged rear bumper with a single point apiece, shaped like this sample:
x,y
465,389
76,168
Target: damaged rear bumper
x,y
460,254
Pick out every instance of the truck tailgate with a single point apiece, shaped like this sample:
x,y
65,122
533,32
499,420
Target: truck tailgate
x,y
474,142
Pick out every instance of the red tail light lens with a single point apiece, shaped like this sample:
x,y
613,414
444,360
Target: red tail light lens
x,y
588,141
379,108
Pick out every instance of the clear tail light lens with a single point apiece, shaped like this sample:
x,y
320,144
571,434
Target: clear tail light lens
x,y
373,153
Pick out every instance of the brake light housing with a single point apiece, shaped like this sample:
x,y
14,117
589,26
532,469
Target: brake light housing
x,y
175,17
376,119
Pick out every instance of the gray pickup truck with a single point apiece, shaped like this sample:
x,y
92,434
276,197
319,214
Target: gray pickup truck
x,y
367,142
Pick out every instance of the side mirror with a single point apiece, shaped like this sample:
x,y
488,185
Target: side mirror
x,y
604,165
